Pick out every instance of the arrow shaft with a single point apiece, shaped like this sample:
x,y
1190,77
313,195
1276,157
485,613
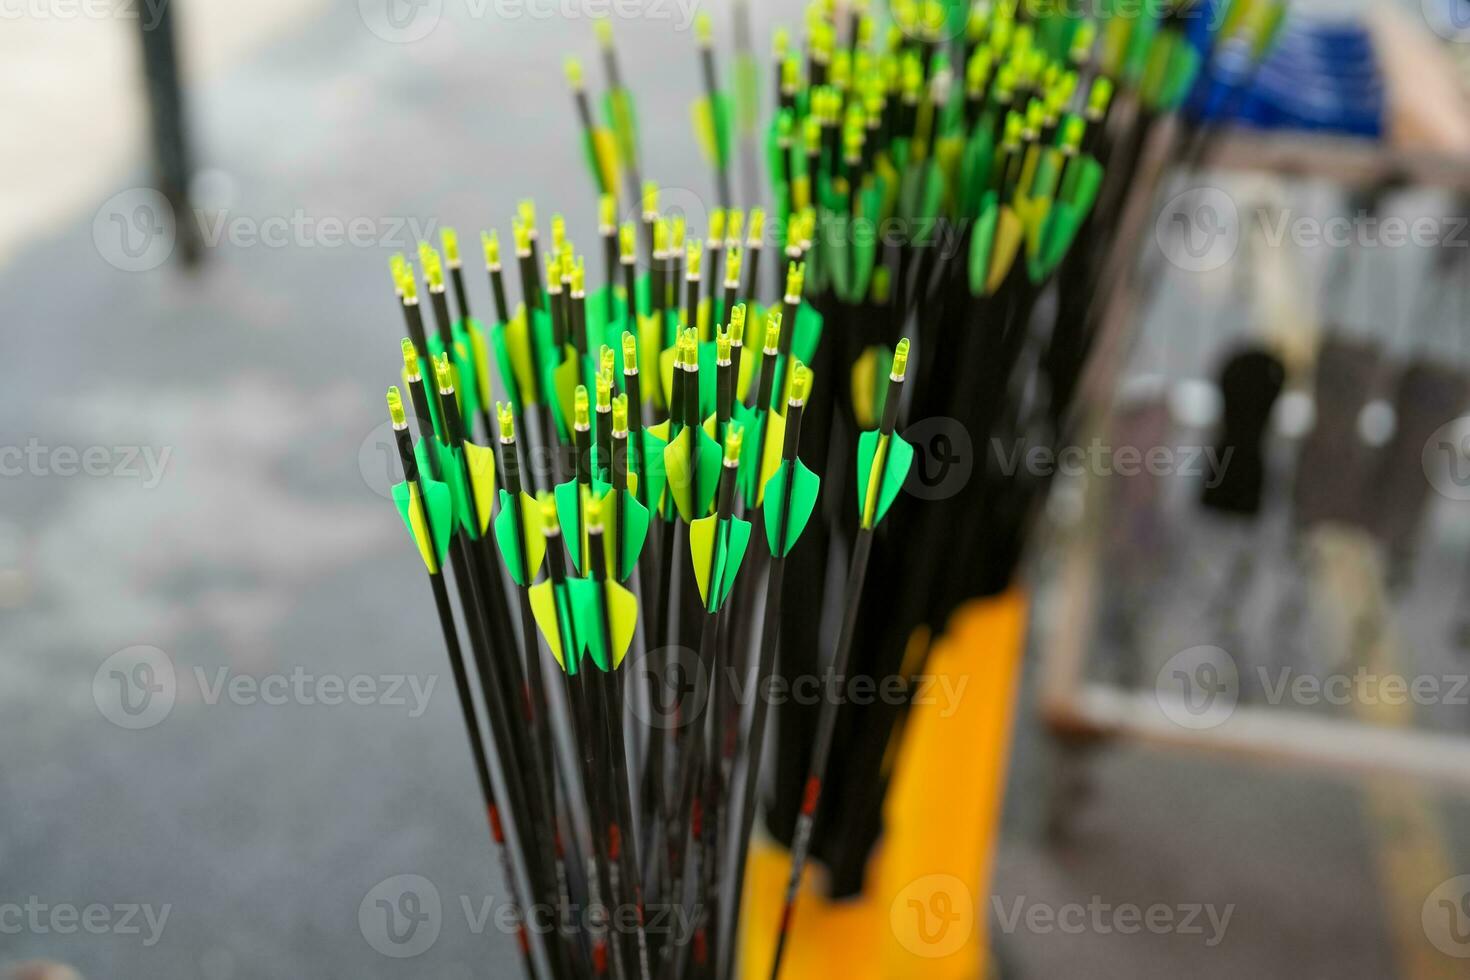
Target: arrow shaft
x,y
822,747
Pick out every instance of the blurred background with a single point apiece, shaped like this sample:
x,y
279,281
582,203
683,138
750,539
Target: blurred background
x,y
1251,712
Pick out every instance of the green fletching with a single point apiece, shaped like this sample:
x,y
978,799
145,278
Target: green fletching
x,y
749,422
569,515
564,383
803,501
717,550
480,461
621,116
508,542
451,467
682,471
512,344
982,240
736,545
878,485
405,497
654,479
547,609
808,333
635,532
623,611
586,600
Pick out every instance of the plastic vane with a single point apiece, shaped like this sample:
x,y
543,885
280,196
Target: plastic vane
x,y
718,543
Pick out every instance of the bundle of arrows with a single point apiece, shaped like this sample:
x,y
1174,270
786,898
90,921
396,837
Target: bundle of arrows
x,y
592,465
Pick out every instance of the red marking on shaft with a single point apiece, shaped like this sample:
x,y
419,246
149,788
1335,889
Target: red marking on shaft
x,y
696,818
785,917
524,939
812,794
496,830
614,842
701,947
599,956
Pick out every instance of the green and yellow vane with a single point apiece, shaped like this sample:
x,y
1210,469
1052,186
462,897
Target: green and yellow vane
x,y
692,458
429,525
790,493
466,467
717,543
575,499
569,609
519,520
883,457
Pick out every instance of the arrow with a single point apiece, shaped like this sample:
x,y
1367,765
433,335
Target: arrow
x,y
409,496
883,464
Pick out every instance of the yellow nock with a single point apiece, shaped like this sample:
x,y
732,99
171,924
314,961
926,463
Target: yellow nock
x,y
773,330
737,324
620,416
900,359
607,212
573,69
722,347
757,226
410,359
444,375
490,242
627,237
630,353
650,197
395,408
694,257
733,438
717,226
801,384
795,278
732,265
579,409
450,238
507,420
